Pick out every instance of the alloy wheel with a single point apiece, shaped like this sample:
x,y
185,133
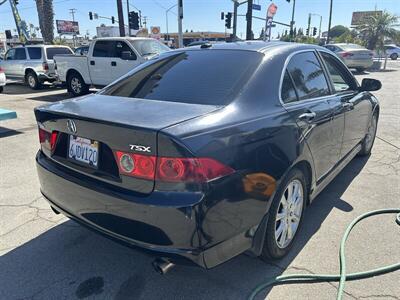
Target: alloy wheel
x,y
289,213
369,138
76,85
31,81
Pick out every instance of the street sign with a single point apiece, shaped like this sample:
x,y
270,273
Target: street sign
x,y
256,6
155,32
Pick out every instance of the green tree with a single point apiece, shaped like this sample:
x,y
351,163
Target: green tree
x,y
338,30
378,28
46,19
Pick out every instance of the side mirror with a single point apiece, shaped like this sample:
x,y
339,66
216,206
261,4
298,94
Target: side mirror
x,y
127,55
369,85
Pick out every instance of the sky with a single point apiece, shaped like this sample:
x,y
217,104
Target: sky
x,y
199,15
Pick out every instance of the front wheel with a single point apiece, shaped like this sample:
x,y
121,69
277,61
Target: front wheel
x,y
76,86
285,215
360,70
369,138
394,56
1,89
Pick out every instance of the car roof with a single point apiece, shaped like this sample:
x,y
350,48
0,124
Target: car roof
x,y
256,45
123,38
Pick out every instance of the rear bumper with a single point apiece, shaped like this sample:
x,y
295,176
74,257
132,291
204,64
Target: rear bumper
x,y
47,77
358,63
168,231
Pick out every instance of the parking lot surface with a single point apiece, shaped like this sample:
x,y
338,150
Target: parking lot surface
x,y
47,256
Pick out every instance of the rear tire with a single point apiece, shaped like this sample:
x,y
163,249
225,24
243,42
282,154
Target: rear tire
x,y
76,85
1,89
32,81
285,219
394,56
369,139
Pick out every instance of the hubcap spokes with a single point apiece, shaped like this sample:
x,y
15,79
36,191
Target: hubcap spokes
x,y
289,213
31,81
76,85
371,132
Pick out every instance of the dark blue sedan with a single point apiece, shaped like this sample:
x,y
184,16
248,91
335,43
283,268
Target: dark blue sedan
x,y
206,152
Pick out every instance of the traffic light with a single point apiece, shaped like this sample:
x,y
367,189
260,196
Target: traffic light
x,y
307,32
314,31
112,20
133,20
90,15
228,20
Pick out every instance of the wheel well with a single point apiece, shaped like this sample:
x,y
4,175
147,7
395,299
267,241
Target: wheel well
x,y
28,71
305,167
72,71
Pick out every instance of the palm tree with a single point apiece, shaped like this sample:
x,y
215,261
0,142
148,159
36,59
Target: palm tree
x,y
46,19
379,27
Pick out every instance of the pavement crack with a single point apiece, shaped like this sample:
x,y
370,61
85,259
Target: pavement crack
x,y
389,143
384,296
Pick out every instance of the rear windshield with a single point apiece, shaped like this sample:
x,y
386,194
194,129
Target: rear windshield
x,y
50,52
35,52
202,77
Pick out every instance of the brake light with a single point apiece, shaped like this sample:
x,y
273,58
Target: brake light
x,y
136,165
171,169
45,66
48,139
346,54
1,70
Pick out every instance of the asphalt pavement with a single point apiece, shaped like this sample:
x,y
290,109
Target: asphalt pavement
x,y
47,256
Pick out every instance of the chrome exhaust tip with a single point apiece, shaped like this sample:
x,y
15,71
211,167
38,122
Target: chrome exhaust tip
x,y
162,265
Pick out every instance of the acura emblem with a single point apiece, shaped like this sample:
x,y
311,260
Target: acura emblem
x,y
71,126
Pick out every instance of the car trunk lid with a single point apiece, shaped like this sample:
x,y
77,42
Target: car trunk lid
x,y
116,124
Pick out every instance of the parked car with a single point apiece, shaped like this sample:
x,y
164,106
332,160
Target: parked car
x,y
2,79
107,60
392,51
353,55
204,153
33,64
83,50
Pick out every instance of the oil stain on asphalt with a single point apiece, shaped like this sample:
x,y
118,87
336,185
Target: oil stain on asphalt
x,y
89,287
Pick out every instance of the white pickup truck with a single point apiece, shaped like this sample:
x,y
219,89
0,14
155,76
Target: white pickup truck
x,y
107,60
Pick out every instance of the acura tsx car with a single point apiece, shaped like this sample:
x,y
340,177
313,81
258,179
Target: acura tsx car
x,y
206,152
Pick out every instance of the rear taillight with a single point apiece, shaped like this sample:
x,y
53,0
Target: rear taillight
x,y
346,54
1,70
171,169
45,66
48,139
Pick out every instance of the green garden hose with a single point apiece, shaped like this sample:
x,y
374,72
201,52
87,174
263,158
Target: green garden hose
x,y
311,278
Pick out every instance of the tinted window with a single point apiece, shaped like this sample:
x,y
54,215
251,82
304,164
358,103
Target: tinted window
x,y
288,93
35,53
103,49
10,54
204,77
20,53
50,52
340,77
120,47
308,76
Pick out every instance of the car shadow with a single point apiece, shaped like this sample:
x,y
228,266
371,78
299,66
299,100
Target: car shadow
x,y
69,261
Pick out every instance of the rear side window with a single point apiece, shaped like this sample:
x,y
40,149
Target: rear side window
x,y
308,76
51,52
35,52
203,77
103,49
20,53
288,93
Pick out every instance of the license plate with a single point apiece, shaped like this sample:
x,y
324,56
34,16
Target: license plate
x,y
83,150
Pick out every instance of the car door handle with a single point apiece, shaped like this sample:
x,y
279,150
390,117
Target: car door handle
x,y
348,105
113,63
92,63
308,116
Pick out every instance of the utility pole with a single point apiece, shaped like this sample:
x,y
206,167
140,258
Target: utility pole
x,y
127,8
166,19
249,19
72,11
329,22
120,18
292,21
235,9
180,17
309,24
